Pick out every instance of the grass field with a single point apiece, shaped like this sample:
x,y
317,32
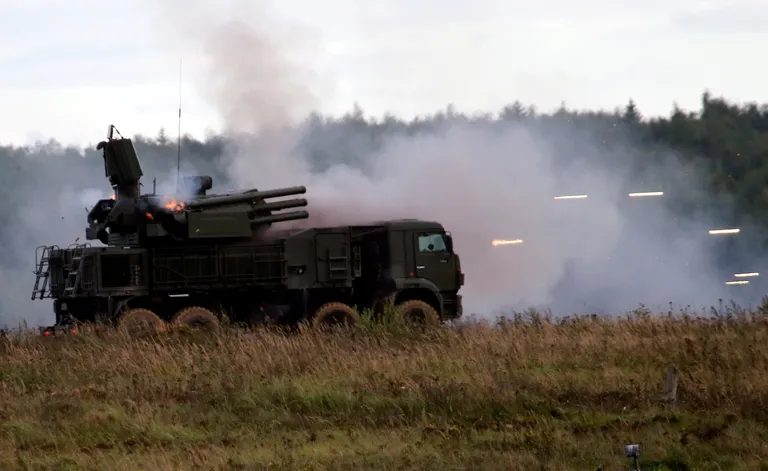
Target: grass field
x,y
529,395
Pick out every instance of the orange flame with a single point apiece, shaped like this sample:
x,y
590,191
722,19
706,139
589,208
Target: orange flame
x,y
149,216
174,205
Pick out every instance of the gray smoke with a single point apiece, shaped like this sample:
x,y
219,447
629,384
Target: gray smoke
x,y
481,181
53,195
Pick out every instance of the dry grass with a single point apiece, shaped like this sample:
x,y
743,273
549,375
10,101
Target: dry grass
x,y
526,395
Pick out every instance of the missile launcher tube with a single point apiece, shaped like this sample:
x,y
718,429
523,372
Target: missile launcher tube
x,y
278,205
292,216
245,197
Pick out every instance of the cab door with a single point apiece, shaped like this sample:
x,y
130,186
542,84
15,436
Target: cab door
x,y
434,260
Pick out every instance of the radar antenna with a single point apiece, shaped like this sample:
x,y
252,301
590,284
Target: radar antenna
x,y
178,138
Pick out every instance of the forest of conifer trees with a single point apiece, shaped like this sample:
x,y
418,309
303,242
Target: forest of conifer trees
x,y
726,142
723,146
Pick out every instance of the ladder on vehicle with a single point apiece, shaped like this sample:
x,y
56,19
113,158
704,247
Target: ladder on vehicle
x,y
74,275
337,266
42,275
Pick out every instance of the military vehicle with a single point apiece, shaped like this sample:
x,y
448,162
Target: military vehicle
x,y
198,259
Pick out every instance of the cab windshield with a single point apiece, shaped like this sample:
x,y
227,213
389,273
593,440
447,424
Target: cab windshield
x,y
432,242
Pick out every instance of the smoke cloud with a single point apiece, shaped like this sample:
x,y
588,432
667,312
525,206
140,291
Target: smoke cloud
x,y
482,180
50,200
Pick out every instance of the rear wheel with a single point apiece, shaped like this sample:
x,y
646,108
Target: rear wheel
x,y
416,312
140,321
196,317
335,315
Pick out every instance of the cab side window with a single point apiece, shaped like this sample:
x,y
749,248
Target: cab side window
x,y
432,243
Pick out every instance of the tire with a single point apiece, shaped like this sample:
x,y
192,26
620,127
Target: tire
x,y
196,317
334,315
418,312
140,321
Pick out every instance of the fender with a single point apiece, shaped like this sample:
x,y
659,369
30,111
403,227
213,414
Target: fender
x,y
419,283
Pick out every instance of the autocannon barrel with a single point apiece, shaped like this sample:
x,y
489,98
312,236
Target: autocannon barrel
x,y
245,197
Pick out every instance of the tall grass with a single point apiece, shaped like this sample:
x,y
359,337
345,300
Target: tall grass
x,y
524,393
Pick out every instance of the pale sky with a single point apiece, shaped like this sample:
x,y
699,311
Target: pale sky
x,y
70,68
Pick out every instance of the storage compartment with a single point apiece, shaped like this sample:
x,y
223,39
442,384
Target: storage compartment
x,y
122,270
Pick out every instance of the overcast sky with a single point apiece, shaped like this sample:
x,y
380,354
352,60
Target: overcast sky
x,y
71,68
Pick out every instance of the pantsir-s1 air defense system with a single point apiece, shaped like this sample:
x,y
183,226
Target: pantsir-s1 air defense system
x,y
198,258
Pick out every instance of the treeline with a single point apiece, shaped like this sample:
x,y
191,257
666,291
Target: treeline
x,y
725,144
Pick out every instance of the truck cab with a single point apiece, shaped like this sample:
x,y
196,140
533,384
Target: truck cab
x,y
424,265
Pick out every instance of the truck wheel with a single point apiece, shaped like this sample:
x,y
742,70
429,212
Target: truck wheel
x,y
196,317
334,314
140,321
418,312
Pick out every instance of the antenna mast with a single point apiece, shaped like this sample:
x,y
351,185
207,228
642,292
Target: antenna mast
x,y
178,140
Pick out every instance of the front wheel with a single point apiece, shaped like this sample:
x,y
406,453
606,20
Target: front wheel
x,y
416,312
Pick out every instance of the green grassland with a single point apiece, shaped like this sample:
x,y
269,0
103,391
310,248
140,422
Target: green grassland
x,y
529,394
